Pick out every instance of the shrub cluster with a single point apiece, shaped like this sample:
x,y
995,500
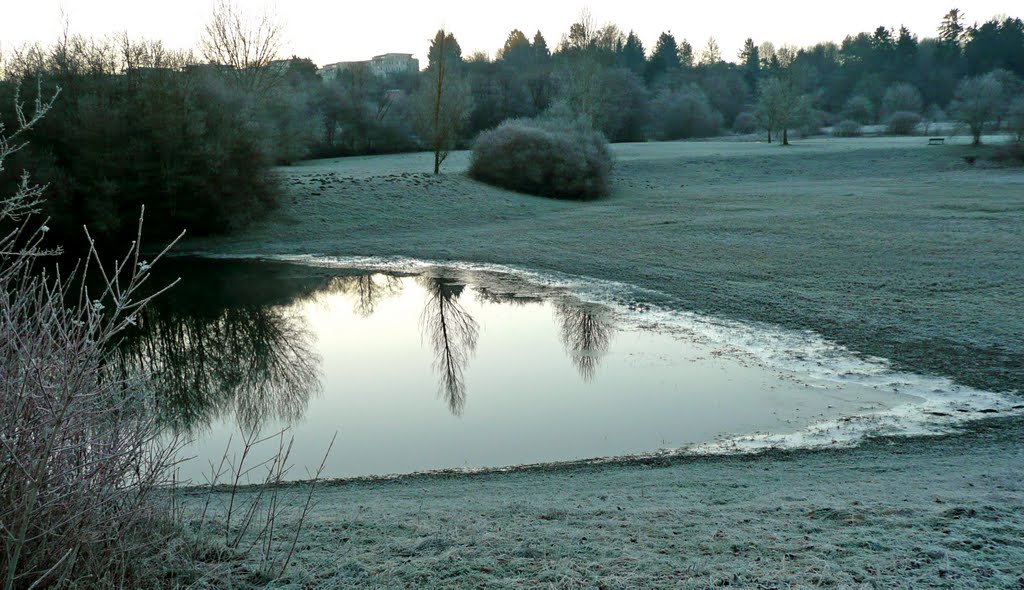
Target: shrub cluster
x,y
847,128
684,113
859,108
83,465
179,139
551,158
902,97
903,123
745,124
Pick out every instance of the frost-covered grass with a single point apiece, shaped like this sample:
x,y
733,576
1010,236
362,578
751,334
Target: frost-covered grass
x,y
886,245
944,512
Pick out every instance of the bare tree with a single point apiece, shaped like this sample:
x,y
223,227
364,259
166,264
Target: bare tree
x,y
711,55
247,44
781,107
586,334
977,102
445,98
453,334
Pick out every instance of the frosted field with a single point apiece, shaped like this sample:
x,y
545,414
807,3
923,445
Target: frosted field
x,y
887,247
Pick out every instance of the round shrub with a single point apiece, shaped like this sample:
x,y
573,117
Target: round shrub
x,y
903,123
744,124
847,128
551,158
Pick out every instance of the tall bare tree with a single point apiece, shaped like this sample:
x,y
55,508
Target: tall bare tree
x,y
247,44
445,98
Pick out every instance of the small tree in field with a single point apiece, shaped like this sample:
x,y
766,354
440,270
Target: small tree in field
x,y
445,99
781,107
977,102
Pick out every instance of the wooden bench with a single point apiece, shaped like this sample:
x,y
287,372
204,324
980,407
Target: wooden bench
x,y
937,141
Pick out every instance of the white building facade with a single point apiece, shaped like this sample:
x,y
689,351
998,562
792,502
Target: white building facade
x,y
380,66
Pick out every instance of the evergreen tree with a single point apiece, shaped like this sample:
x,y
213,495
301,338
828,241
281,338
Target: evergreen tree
x,y
685,54
750,61
996,45
664,59
633,56
517,49
444,44
541,53
952,29
906,52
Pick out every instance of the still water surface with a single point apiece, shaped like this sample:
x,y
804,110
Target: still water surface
x,y
444,369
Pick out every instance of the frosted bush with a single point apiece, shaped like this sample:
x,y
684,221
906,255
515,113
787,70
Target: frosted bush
x,y
847,128
902,97
744,124
684,113
861,109
903,123
551,158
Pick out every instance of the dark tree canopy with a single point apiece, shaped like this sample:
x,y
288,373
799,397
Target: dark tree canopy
x,y
541,51
665,57
634,56
517,49
444,44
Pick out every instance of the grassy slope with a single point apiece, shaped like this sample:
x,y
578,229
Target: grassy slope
x,y
888,246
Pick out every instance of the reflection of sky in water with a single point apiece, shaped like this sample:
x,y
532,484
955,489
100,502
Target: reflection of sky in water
x,y
516,381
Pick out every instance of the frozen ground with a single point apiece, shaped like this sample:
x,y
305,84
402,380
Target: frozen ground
x,y
913,513
887,246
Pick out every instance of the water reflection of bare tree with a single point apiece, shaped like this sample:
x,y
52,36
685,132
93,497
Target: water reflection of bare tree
x,y
452,333
488,295
367,289
586,333
256,362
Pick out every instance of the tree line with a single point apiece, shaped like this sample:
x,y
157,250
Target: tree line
x,y
195,136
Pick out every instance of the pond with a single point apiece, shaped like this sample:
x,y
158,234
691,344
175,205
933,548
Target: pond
x,y
417,368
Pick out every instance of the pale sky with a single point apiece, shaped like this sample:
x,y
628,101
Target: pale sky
x,y
345,30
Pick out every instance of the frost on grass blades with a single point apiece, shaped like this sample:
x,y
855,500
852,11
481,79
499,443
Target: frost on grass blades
x,y
935,406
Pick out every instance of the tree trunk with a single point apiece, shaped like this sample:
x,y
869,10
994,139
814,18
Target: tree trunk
x,y
769,136
437,160
785,136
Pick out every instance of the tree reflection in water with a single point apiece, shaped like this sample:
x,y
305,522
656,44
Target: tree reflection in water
x,y
368,290
224,342
255,362
228,339
453,333
586,334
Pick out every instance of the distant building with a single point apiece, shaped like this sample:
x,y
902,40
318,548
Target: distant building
x,y
380,66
